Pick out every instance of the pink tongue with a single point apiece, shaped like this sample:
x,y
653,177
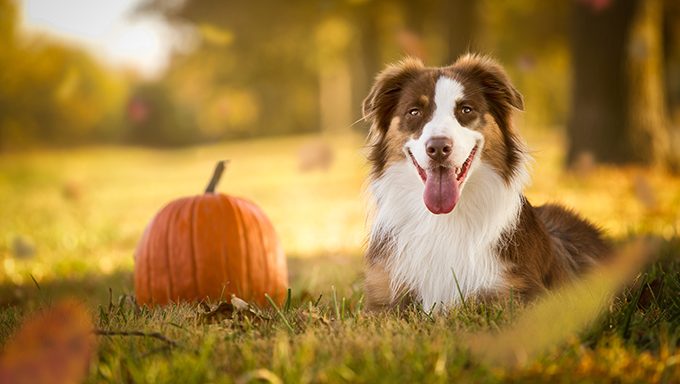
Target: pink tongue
x,y
441,190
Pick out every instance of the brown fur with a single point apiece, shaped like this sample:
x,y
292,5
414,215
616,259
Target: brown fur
x,y
377,290
548,246
377,287
409,83
377,280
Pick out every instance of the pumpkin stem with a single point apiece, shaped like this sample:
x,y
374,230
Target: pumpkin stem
x,y
217,174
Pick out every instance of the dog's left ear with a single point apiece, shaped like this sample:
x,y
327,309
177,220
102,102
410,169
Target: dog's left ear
x,y
492,78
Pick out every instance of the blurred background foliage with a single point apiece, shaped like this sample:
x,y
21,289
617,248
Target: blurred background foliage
x,y
52,93
248,69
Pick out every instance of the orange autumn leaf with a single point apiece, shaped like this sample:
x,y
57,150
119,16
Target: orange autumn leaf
x,y
51,347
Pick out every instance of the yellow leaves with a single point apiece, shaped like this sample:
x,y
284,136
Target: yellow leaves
x,y
622,200
52,347
333,37
334,32
68,85
9,270
228,110
54,92
609,360
259,375
215,35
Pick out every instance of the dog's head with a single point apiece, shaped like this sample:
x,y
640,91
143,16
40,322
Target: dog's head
x,y
444,121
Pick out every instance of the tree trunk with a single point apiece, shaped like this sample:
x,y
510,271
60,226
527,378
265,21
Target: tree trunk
x,y
459,19
647,111
671,43
618,113
367,59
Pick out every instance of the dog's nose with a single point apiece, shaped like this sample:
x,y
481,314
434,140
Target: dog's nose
x,y
439,148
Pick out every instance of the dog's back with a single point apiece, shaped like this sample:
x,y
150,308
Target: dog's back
x,y
575,240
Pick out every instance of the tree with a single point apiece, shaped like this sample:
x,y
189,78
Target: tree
x,y
51,92
308,64
618,108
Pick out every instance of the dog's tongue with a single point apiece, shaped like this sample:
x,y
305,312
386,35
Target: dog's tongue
x,y
441,190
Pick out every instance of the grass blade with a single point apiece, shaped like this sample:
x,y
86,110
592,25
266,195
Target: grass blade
x,y
286,305
278,311
460,292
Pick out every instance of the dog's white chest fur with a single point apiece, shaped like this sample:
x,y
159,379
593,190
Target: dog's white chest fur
x,y
429,249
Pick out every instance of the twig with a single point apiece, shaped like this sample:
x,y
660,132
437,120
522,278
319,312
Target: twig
x,y
154,335
35,281
162,348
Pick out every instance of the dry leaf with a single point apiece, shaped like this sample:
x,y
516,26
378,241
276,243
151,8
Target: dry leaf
x,y
52,347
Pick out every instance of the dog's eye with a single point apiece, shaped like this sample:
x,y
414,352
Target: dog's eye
x,y
466,109
414,112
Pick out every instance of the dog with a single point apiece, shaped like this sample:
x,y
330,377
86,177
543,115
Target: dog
x,y
448,169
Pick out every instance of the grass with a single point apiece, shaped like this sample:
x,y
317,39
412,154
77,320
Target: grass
x,y
71,220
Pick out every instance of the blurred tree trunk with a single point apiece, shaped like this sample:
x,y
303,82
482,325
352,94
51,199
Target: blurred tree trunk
x,y
367,60
454,20
671,42
459,19
618,112
647,103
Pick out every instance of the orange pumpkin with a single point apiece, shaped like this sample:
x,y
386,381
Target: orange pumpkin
x,y
210,246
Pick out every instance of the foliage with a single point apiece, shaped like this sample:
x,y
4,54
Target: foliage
x,y
283,66
156,120
263,68
250,69
52,92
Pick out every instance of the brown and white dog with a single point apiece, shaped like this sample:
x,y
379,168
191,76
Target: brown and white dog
x,y
448,170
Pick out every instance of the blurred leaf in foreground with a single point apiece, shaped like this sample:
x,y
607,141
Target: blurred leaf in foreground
x,y
52,347
561,314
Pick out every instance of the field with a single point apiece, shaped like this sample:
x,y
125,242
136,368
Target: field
x,y
70,220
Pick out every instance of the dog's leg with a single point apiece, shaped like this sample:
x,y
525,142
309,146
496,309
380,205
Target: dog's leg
x,y
377,288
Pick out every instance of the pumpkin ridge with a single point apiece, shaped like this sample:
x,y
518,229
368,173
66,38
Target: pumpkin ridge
x,y
147,260
173,215
161,290
224,276
263,242
227,257
238,210
192,233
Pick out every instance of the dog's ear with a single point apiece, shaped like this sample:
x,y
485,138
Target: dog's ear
x,y
379,105
493,82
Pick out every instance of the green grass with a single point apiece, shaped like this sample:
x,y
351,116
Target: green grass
x,y
78,214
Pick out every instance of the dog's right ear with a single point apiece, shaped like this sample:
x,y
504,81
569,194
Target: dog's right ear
x,y
378,107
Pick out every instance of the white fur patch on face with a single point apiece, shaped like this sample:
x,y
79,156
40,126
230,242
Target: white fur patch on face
x,y
444,124
430,249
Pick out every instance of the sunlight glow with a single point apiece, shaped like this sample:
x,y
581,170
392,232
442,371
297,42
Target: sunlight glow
x,y
107,28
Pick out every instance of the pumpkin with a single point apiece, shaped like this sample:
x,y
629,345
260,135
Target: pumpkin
x,y
210,246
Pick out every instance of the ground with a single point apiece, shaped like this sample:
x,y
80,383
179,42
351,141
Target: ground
x,y
71,219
